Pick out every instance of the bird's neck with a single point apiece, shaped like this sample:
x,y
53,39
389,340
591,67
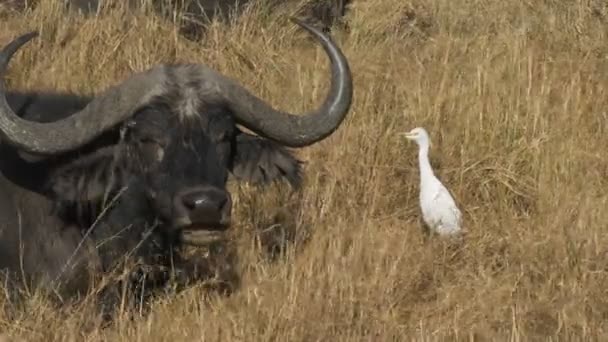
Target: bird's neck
x,y
426,171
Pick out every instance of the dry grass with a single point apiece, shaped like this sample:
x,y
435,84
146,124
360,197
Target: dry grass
x,y
514,94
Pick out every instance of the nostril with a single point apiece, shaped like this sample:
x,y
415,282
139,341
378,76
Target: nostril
x,y
222,203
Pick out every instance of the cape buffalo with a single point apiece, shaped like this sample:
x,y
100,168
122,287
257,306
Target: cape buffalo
x,y
139,169
195,14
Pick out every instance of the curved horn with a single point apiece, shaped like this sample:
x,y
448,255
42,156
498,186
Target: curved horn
x,y
291,130
114,106
120,102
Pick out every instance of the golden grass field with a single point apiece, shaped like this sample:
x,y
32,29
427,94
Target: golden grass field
x,y
515,96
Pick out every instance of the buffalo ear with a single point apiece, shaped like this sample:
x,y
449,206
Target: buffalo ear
x,y
261,161
89,178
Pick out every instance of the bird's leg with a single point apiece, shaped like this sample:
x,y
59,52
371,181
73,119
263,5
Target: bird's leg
x,y
426,231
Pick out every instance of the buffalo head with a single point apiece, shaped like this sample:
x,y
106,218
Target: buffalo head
x,y
167,138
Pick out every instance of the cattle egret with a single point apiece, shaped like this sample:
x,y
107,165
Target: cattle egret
x,y
439,210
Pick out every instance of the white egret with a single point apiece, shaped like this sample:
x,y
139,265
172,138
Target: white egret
x,y
439,210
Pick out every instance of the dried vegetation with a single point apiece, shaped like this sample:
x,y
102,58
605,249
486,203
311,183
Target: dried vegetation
x,y
514,94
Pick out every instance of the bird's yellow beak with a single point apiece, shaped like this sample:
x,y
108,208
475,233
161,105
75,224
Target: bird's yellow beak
x,y
407,135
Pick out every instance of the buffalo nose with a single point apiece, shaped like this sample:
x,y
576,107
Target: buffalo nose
x,y
209,206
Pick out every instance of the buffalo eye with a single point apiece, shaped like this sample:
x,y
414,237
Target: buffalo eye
x,y
152,150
